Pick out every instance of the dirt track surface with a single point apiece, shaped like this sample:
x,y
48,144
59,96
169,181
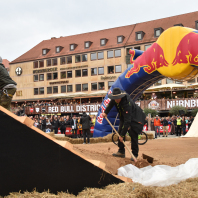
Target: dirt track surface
x,y
167,151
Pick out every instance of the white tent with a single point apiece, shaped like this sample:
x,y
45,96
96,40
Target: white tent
x,y
193,131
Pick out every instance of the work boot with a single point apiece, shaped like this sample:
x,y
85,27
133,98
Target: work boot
x,y
119,154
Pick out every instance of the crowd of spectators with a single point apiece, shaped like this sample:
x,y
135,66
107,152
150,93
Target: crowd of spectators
x,y
178,124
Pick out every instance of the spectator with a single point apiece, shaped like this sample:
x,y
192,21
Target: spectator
x,y
178,131
55,124
43,123
93,120
36,123
79,128
157,124
62,125
183,125
190,121
74,126
85,121
165,127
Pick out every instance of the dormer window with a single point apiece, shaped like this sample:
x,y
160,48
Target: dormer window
x,y
120,39
179,24
72,46
87,44
139,35
58,49
45,51
196,25
103,41
158,31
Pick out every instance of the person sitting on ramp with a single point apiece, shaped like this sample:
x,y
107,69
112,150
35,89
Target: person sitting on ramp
x,y
132,119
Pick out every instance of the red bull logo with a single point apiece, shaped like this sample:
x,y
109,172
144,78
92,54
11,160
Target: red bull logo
x,y
187,50
152,59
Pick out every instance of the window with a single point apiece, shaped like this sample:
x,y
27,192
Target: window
x,y
147,46
117,53
84,57
100,55
63,89
49,76
157,31
119,39
84,72
138,36
101,85
63,75
44,51
158,83
62,60
35,91
69,74
179,24
69,59
129,65
169,81
137,47
110,83
93,56
49,62
93,71
55,75
93,86
54,61
196,25
118,69
85,87
58,49
110,54
55,89
78,87
41,90
191,80
41,77
35,78
49,90
41,63
77,58
100,70
78,73
102,42
36,64
69,88
72,47
87,44
110,69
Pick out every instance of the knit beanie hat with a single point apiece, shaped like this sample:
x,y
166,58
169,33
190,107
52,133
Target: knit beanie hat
x,y
1,59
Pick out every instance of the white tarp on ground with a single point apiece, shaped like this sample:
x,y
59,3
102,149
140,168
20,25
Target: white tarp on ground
x,y
193,131
160,175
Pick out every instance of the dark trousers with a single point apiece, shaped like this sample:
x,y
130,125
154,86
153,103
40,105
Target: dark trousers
x,y
184,130
74,135
63,131
86,132
178,131
133,132
44,128
55,130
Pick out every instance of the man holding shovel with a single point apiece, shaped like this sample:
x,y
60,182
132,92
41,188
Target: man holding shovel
x,y
132,119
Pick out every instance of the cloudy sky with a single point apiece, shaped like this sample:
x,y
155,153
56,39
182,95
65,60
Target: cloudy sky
x,y
25,23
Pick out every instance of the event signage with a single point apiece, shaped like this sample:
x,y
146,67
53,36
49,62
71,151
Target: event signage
x,y
64,109
44,70
107,77
76,67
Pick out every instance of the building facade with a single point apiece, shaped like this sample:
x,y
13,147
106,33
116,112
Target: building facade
x,y
86,64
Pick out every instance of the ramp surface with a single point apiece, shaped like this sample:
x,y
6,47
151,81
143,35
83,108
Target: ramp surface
x,y
30,158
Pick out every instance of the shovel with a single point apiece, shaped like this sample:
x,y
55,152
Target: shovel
x,y
135,160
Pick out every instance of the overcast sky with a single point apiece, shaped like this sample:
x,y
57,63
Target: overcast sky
x,y
25,23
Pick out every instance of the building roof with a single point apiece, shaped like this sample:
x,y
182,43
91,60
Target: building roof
x,y
129,33
6,63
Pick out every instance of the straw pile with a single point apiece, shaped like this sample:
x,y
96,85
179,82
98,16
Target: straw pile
x,y
188,188
107,138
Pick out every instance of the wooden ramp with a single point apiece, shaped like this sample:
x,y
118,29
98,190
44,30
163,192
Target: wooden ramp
x,y
30,158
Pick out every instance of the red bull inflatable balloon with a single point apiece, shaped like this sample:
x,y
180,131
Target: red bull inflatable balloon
x,y
173,55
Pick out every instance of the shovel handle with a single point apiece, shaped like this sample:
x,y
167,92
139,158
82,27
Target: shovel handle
x,y
135,160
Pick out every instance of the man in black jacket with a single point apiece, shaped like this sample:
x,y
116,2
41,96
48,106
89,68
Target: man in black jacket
x,y
7,87
132,119
85,121
56,124
43,123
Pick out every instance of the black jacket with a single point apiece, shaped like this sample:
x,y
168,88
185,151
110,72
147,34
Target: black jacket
x,y
165,122
43,122
55,123
130,114
72,123
62,124
85,121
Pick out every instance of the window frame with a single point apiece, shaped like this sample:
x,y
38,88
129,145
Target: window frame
x,y
54,88
41,63
87,86
47,76
91,55
110,82
108,69
67,59
54,63
101,86
98,55
80,73
40,77
122,39
37,77
120,67
103,39
40,90
53,75
96,71
48,90
80,87
115,53
62,73
48,62
62,62
65,88
37,91
96,86
108,53
71,73
71,88
155,30
79,56
35,62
